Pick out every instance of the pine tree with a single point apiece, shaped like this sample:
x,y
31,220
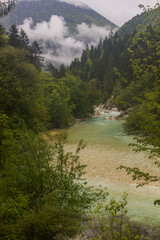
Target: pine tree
x,y
14,38
62,70
24,40
2,38
52,70
35,55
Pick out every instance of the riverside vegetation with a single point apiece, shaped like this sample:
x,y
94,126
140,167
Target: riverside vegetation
x,y
126,69
43,194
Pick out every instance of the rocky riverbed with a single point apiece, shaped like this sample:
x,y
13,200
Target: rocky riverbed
x,y
111,113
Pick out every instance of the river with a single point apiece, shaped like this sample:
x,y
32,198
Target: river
x,y
107,149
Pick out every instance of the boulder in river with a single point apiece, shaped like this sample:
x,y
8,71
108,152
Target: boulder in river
x,y
124,114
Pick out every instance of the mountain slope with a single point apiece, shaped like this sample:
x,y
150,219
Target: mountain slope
x,y
61,29
143,19
42,11
109,63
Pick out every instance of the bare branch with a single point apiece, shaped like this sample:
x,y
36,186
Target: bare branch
x,y
6,6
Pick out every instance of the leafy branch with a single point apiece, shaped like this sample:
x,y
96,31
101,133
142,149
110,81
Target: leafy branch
x,y
137,174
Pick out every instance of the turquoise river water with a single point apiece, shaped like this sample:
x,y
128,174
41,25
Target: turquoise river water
x,y
107,149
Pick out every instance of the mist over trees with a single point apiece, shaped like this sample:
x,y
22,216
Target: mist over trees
x,y
61,28
6,7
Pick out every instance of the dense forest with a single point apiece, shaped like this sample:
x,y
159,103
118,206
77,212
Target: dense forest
x,y
43,195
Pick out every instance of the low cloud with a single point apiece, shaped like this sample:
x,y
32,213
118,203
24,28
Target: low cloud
x,y
75,3
58,45
55,28
91,34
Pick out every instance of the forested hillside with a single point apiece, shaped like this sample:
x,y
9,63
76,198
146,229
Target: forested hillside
x,y
127,67
148,16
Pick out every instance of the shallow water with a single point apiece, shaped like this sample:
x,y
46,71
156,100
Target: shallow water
x,y
107,149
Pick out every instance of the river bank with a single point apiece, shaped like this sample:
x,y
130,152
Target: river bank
x,y
107,149
112,112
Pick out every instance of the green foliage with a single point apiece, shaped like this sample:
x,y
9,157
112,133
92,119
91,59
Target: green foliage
x,y
67,98
51,221
80,95
20,87
39,168
111,223
148,16
145,63
38,97
125,64
139,175
2,37
43,194
99,63
14,39
21,40
57,101
144,118
35,54
13,205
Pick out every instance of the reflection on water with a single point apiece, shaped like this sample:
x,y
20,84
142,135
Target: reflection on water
x,y
107,148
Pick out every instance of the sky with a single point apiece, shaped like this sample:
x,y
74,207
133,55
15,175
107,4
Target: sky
x,y
118,11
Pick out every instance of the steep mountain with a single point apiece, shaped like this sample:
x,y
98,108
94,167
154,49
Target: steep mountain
x,y
62,28
43,10
142,19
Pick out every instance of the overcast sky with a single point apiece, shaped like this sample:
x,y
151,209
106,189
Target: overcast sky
x,y
118,11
